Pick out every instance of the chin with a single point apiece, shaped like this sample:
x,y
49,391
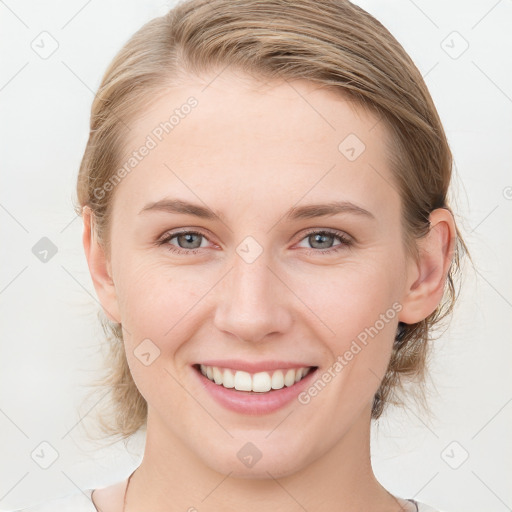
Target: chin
x,y
251,462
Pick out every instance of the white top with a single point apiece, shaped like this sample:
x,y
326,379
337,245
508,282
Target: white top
x,y
82,502
77,502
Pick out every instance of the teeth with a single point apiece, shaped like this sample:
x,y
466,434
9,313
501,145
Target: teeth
x,y
228,379
278,380
217,375
289,378
243,381
261,382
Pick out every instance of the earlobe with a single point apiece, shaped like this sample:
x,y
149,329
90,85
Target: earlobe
x,y
99,268
426,284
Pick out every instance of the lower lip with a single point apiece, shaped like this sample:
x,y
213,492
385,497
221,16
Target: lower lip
x,y
253,403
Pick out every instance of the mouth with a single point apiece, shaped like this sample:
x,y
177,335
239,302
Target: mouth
x,y
254,383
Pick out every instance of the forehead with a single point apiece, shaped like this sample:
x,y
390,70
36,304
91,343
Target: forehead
x,y
229,138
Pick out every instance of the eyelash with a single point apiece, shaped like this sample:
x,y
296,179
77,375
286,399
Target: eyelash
x,y
345,242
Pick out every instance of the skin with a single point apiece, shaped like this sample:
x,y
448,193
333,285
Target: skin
x,y
252,151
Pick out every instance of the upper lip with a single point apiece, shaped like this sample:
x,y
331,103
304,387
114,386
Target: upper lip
x,y
254,367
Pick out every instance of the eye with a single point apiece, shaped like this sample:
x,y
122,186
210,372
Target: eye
x,y
322,241
188,242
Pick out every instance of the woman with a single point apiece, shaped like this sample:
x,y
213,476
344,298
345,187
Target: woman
x,y
264,197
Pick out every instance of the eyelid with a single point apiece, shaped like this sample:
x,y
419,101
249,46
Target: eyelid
x,y
330,231
182,231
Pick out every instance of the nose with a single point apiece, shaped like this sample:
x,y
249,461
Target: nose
x,y
253,302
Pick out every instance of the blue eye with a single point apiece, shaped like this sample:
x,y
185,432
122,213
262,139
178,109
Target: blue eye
x,y
190,242
325,238
187,238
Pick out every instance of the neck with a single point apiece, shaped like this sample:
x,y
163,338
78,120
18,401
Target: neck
x,y
171,478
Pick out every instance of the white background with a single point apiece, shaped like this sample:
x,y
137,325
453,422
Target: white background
x,y
49,331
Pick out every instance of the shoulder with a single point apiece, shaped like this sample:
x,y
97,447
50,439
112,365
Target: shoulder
x,y
78,502
88,500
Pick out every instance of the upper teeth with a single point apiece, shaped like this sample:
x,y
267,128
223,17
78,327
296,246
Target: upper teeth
x,y
260,382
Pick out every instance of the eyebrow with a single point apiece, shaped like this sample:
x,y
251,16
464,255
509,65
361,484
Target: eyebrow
x,y
311,211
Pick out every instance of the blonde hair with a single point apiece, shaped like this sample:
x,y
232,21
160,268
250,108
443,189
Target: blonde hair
x,y
333,43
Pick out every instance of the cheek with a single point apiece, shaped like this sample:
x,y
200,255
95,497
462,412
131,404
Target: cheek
x,y
361,311
158,301
349,298
356,310
158,315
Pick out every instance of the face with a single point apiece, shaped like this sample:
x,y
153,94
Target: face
x,y
252,278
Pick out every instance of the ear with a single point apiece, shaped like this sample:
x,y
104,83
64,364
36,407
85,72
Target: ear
x,y
99,268
427,277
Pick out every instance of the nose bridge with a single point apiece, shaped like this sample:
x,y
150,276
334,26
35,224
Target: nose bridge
x,y
252,304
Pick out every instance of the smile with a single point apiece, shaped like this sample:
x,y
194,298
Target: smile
x,y
261,382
